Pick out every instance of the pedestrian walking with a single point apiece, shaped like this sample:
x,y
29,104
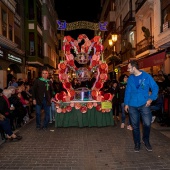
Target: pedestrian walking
x,y
137,103
42,92
122,86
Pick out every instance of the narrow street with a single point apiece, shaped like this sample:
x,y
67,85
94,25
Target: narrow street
x,y
106,148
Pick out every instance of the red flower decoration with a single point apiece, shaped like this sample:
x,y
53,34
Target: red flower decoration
x,y
98,48
67,85
71,63
62,66
69,38
98,107
96,38
94,63
71,92
107,96
64,110
103,66
67,47
98,85
68,108
103,76
83,109
94,93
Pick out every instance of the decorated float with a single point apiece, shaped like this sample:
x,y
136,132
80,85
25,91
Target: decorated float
x,y
86,105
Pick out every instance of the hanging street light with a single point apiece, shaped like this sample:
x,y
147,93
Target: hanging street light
x,y
114,37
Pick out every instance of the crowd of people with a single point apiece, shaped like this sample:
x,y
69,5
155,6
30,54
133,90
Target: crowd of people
x,y
134,96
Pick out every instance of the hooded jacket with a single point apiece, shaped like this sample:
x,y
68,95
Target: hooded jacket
x,y
138,96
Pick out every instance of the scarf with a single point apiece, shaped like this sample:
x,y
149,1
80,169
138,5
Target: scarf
x,y
46,81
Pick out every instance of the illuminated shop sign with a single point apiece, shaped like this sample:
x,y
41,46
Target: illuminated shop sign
x,y
1,53
16,59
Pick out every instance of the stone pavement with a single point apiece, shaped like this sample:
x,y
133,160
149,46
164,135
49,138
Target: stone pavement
x,y
106,148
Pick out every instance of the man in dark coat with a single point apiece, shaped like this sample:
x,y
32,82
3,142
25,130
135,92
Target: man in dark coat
x,y
42,92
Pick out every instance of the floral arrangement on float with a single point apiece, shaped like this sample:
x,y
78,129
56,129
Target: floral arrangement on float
x,y
97,64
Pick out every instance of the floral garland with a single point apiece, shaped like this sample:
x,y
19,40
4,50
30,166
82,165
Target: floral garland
x,y
96,64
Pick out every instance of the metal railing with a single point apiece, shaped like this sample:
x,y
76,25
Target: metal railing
x,y
129,19
144,45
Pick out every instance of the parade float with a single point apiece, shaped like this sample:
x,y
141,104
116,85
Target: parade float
x,y
83,106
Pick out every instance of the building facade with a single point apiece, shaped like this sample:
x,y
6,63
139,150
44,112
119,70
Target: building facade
x,y
41,37
12,42
142,29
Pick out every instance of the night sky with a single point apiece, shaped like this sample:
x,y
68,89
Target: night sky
x,y
78,10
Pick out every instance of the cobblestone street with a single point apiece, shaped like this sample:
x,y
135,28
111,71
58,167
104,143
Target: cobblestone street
x,y
107,148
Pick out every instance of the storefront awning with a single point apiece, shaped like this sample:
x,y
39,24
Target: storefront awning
x,y
149,61
152,60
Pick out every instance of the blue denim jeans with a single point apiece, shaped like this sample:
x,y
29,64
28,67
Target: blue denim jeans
x,y
38,114
135,114
52,112
5,124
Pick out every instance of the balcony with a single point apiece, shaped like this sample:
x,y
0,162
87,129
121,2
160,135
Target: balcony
x,y
139,4
165,26
144,45
129,20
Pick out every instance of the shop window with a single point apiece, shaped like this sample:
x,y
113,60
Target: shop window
x,y
31,44
4,23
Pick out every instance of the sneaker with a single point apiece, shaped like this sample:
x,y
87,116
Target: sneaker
x,y
153,119
137,147
122,125
129,127
148,146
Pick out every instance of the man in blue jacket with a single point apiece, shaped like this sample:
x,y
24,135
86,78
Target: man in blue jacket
x,y
137,102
